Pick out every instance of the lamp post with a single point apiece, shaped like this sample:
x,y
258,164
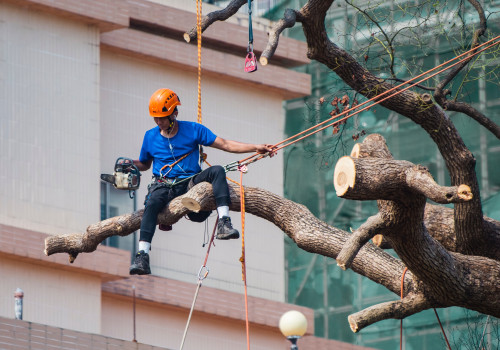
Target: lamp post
x,y
293,325
18,303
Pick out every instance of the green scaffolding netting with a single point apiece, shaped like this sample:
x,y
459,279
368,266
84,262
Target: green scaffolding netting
x,y
317,282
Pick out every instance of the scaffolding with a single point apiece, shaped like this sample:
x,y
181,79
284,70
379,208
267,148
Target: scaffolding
x,y
315,281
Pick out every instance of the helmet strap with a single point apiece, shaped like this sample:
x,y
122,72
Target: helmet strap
x,y
171,125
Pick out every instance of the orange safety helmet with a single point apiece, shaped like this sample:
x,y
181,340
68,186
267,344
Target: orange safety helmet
x,y
163,103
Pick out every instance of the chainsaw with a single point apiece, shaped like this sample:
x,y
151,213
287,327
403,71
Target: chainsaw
x,y
126,176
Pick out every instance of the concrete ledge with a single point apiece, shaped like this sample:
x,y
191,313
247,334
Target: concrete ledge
x,y
211,301
290,52
18,334
106,14
28,246
287,83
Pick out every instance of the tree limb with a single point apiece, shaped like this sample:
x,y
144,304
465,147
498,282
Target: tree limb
x,y
470,111
311,234
393,309
212,17
358,239
288,21
388,179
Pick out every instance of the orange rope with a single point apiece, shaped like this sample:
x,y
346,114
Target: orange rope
x,y
374,98
198,27
242,258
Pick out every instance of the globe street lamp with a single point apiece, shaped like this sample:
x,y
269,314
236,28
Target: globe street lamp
x,y
293,325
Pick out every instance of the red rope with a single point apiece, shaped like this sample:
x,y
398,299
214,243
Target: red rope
x,y
401,328
437,316
442,329
210,244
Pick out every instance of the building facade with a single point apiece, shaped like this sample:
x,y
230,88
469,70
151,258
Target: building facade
x,y
75,81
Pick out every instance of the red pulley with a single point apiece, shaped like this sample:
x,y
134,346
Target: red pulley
x,y
250,62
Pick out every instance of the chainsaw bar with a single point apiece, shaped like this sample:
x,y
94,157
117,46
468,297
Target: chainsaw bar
x,y
108,178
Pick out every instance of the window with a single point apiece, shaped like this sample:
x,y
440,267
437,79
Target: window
x,y
114,203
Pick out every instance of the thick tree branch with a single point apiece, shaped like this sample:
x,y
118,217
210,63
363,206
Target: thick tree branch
x,y
76,243
437,219
311,234
387,179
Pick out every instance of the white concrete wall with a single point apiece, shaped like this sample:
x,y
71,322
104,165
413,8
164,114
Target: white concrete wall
x,y
65,117
231,111
52,297
49,121
165,327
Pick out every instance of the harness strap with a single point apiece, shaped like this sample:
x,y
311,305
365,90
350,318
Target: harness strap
x,y
171,165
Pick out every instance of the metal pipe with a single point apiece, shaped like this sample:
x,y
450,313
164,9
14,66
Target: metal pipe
x,y
133,294
18,303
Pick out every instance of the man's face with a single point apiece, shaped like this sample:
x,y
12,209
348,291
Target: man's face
x,y
164,122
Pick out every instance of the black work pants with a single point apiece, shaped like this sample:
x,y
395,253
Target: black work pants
x,y
160,194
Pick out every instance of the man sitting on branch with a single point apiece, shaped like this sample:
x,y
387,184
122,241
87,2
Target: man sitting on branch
x,y
172,147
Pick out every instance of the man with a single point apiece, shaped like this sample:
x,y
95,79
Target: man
x,y
173,149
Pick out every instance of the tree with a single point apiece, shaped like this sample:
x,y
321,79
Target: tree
x,y
452,256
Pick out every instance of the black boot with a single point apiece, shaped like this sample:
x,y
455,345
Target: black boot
x,y
141,264
225,229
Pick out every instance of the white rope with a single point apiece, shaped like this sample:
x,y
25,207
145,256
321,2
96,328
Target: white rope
x,y
191,312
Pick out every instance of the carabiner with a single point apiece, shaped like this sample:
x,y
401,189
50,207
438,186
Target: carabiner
x,y
231,166
206,270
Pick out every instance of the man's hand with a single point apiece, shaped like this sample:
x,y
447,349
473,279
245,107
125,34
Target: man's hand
x,y
265,148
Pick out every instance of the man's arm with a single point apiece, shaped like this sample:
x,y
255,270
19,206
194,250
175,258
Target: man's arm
x,y
143,166
240,147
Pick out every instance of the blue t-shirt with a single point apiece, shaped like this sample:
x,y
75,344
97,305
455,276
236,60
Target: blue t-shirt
x,y
163,150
